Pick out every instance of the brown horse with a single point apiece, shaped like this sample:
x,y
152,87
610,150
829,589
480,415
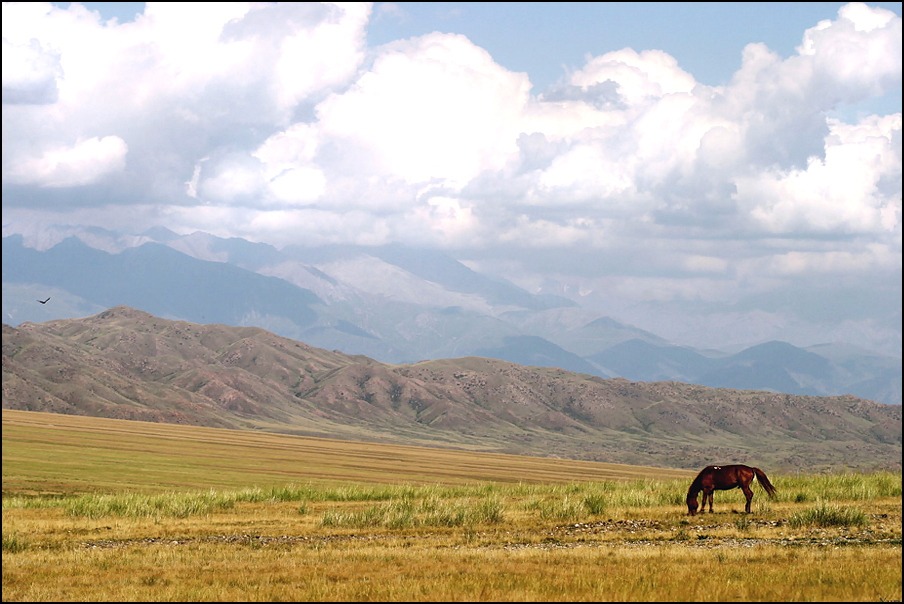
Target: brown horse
x,y
723,478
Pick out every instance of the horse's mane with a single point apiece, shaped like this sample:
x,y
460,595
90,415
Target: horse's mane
x,y
697,485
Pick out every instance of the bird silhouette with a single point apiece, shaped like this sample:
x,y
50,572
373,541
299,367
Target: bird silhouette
x,y
44,301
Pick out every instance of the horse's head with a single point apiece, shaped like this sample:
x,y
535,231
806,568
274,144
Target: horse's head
x,y
692,504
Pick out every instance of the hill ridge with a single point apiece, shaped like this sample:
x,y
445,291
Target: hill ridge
x,y
130,364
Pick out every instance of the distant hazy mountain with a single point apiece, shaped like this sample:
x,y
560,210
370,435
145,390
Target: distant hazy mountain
x,y
161,281
774,366
391,303
394,304
578,330
125,363
641,360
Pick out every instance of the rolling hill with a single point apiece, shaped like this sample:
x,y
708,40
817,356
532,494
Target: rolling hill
x,y
125,363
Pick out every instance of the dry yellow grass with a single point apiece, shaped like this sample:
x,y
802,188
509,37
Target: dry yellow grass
x,y
465,526
269,551
44,452
220,572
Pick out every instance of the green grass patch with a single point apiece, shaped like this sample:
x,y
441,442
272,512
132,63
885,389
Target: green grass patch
x,y
834,487
139,505
412,513
14,543
394,505
828,514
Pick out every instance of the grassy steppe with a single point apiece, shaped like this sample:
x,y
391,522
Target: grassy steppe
x,y
99,509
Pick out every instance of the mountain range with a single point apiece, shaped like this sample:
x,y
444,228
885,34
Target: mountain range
x,y
395,305
129,364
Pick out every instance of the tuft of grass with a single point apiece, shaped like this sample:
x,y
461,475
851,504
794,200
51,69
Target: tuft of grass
x,y
825,515
563,509
395,515
489,511
742,523
595,503
13,543
444,514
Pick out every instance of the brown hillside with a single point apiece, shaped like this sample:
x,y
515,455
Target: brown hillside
x,y
125,363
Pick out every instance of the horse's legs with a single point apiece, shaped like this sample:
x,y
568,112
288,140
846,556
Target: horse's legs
x,y
749,495
708,493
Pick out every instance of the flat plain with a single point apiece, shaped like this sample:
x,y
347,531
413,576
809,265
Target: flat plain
x,y
101,509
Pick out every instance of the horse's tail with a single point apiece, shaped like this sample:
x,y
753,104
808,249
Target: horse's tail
x,y
761,477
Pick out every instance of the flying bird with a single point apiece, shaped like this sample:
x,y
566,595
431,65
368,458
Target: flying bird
x,y
44,301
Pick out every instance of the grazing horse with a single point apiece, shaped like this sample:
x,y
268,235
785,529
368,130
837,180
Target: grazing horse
x,y
723,478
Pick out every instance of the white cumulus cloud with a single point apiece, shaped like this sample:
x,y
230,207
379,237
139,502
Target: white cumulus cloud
x,y
276,121
81,164
433,107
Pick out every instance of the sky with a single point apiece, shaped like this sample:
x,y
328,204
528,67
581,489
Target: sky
x,y
694,168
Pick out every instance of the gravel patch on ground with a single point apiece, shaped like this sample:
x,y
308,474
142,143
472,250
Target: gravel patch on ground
x,y
602,533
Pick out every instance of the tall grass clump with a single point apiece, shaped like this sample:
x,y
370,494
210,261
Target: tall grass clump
x,y
576,502
635,493
18,501
826,515
490,510
140,505
561,509
350,493
277,494
595,503
839,487
412,513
